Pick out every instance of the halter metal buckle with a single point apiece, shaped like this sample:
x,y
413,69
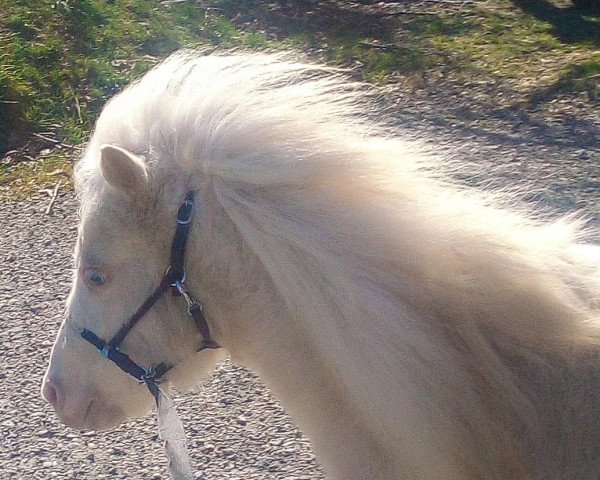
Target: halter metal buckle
x,y
181,280
179,285
149,374
184,214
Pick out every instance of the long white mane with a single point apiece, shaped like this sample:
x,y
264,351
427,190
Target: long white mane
x,y
411,288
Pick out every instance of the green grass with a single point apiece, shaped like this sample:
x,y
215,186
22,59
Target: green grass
x,y
24,179
60,60
575,77
526,50
378,62
499,43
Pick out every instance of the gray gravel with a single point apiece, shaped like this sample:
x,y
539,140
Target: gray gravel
x,y
234,427
551,153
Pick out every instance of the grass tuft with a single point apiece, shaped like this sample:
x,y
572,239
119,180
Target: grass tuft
x,y
61,60
25,179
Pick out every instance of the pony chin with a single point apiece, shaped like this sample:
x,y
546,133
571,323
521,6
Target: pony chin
x,y
106,414
104,417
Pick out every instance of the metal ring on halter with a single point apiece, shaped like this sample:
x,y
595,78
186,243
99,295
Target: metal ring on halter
x,y
179,280
150,374
185,294
184,216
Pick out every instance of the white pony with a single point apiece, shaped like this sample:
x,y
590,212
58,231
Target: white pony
x,y
411,329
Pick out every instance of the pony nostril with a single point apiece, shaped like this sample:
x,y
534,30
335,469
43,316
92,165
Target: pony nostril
x,y
50,393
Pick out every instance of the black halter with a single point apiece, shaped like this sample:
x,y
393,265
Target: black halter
x,y
174,280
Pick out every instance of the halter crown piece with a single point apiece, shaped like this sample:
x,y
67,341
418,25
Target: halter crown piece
x,y
174,280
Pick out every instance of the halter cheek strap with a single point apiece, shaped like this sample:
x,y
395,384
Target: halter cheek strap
x,y
174,280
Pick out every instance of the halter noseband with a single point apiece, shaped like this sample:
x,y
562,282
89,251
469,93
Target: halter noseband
x,y
174,280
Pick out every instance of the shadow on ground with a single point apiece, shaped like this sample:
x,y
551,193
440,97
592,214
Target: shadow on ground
x,y
330,19
570,24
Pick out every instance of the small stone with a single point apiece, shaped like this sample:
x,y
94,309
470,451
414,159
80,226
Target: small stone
x,y
242,420
207,448
116,451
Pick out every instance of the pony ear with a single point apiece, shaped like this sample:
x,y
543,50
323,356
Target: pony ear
x,y
123,170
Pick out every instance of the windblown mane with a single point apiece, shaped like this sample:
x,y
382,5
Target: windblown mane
x,y
428,290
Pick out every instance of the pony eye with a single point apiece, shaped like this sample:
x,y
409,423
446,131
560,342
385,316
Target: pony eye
x,y
93,277
96,279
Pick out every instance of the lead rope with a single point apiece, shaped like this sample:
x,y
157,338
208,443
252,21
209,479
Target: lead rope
x,y
170,431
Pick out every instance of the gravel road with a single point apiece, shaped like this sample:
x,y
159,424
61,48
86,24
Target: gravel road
x,y
235,429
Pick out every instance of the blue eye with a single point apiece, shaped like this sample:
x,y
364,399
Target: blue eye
x,y
93,277
96,279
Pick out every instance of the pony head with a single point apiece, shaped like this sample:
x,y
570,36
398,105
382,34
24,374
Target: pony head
x,y
122,253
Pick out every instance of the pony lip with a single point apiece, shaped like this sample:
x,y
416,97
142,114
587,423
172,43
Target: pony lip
x,y
80,410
